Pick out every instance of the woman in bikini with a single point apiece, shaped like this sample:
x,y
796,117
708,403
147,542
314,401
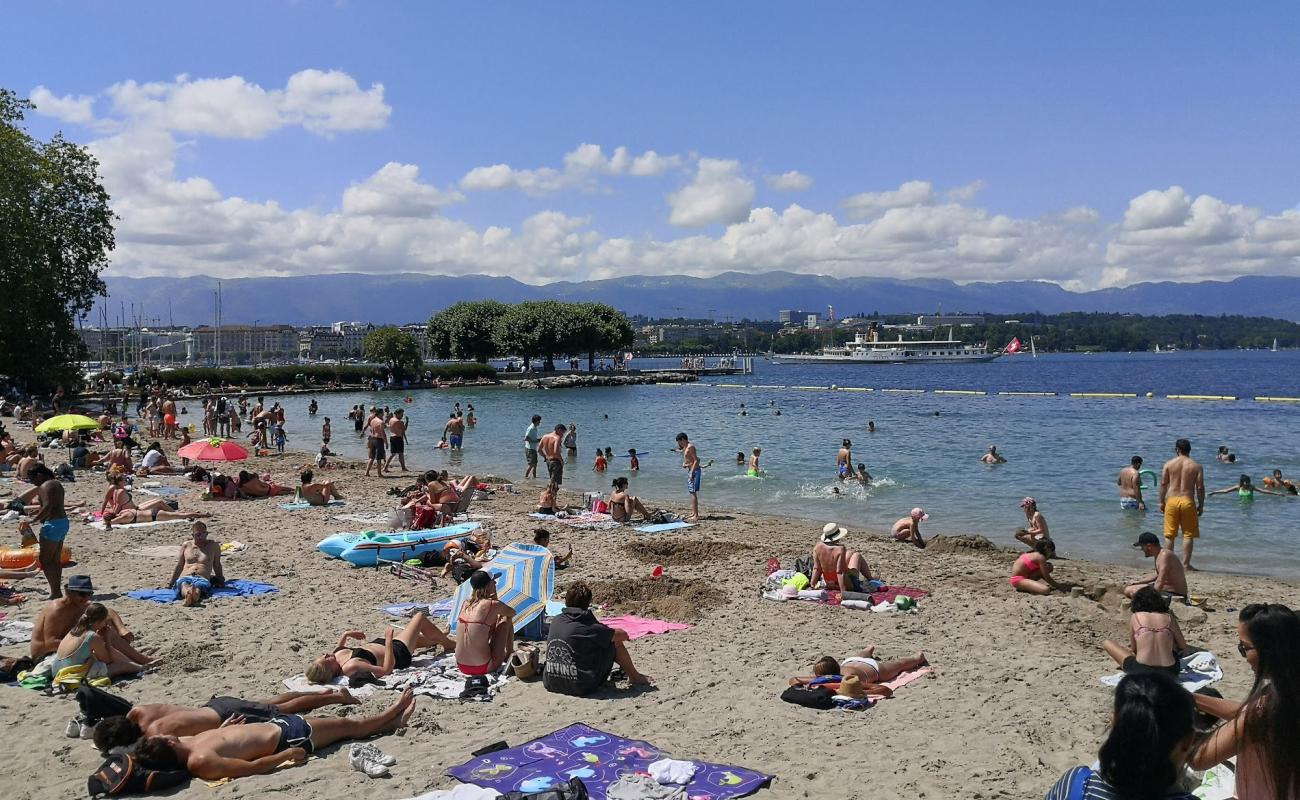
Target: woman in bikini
x,y
622,503
365,661
872,672
1155,640
1037,523
85,646
487,634
1032,572
120,508
252,486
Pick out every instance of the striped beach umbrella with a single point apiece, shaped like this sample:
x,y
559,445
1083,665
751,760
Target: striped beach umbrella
x,y
525,576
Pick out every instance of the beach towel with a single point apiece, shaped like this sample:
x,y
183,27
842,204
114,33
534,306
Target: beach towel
x,y
1196,671
906,678
588,520
465,791
889,594
441,609
99,524
299,683
598,759
663,526
13,631
235,588
554,608
639,627
438,676
163,491
299,505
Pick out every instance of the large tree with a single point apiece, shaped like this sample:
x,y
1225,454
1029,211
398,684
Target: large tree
x,y
393,347
466,330
533,329
593,328
56,233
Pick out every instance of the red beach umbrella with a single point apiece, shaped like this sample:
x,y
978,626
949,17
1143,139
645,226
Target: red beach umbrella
x,y
213,450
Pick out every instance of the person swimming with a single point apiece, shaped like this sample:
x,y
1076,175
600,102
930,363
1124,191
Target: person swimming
x,y
1246,490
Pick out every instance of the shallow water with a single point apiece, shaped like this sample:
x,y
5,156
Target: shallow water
x,y
1064,451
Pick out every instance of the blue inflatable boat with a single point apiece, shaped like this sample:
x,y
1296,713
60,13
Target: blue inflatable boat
x,y
367,548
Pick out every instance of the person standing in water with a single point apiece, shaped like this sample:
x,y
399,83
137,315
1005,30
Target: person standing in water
x,y
844,460
1130,486
754,470
691,463
1182,499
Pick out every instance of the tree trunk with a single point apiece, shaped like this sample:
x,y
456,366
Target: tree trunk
x,y
591,361
550,363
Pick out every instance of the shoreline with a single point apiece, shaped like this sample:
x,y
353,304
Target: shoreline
x,y
1013,702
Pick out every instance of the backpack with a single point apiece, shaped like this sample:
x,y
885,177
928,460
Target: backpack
x,y
804,564
122,773
575,789
97,704
461,570
819,698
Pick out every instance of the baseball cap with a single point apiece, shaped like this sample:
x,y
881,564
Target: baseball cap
x,y
1147,537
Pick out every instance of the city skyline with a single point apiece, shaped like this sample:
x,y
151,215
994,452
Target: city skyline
x,y
598,140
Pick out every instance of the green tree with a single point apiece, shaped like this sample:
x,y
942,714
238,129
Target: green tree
x,y
596,328
466,330
396,348
56,233
533,329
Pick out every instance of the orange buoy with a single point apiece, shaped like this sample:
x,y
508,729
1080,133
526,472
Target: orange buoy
x,y
27,557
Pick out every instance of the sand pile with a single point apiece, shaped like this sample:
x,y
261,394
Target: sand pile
x,y
665,597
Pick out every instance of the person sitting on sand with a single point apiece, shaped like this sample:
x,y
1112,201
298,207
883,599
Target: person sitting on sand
x,y
57,617
366,661
864,664
1032,572
198,568
317,494
581,650
163,719
86,645
542,538
119,457
251,485
834,565
1246,490
908,529
82,457
120,508
992,456
1262,731
1036,521
1170,578
548,500
1155,641
1152,733
622,503
154,462
261,747
485,637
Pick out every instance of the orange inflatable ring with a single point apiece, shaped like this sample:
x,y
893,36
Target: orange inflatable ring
x,y
26,557
1269,483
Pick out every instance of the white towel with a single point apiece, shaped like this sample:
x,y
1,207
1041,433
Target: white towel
x,y
428,675
465,791
299,683
1196,671
13,631
99,523
669,770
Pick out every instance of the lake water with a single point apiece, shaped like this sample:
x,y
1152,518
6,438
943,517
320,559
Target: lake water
x,y
1064,451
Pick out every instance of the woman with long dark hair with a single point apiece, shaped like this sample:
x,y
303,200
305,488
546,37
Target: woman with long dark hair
x,y
1264,731
1152,733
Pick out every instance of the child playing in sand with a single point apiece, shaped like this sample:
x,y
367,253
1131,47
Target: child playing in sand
x,y
542,538
601,461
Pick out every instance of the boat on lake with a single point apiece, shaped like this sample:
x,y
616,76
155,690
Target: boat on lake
x,y
867,349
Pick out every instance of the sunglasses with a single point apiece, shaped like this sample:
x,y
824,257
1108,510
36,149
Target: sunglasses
x,y
1244,648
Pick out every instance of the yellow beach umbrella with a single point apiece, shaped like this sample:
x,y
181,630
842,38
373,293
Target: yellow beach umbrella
x,y
64,422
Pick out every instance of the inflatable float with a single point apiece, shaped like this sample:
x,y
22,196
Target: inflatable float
x,y
367,548
1148,479
27,557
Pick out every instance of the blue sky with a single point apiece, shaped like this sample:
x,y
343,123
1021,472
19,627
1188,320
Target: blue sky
x,y
1096,145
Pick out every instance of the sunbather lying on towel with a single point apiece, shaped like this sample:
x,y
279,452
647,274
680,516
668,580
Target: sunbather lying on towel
x,y
378,657
863,664
258,748
162,719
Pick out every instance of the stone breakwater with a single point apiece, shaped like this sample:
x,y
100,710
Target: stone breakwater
x,y
580,381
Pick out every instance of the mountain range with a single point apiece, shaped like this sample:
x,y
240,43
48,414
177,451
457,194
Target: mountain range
x,y
406,298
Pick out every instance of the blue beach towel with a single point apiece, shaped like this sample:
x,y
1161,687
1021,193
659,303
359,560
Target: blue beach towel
x,y
665,526
299,505
235,588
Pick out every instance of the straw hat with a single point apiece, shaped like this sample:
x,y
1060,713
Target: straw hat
x,y
832,533
851,686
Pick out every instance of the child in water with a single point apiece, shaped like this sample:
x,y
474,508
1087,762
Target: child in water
x,y
740,459
601,463
609,455
280,438
635,465
754,471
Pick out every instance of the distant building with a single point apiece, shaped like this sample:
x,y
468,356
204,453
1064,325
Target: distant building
x,y
799,318
675,334
245,343
811,321
937,320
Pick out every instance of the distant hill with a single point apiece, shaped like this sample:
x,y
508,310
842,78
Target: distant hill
x,y
403,298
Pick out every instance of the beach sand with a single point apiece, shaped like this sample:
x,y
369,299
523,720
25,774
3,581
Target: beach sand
x,y
1013,701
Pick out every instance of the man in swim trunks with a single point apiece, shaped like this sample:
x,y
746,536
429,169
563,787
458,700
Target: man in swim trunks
x,y
376,442
53,520
691,463
532,436
454,430
397,425
164,719
199,567
1130,486
844,460
549,449
1170,579
872,672
1182,499
835,565
258,748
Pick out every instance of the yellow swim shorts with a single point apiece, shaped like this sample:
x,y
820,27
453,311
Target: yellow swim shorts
x,y
1181,512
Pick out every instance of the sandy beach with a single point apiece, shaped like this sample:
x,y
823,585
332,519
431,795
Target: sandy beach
x,y
1014,698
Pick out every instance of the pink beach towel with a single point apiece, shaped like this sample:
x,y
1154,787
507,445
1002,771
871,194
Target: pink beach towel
x,y
889,593
639,627
906,678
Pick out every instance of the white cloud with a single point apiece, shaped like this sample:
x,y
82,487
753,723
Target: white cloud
x,y
792,181
395,191
582,167
77,109
966,192
1157,209
869,204
719,193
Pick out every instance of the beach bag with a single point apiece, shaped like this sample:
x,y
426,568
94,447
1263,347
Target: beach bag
x,y
573,790
97,704
804,565
525,662
461,570
121,773
818,698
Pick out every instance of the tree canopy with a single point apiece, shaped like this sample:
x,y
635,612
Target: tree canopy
x,y
484,329
394,347
56,233
466,330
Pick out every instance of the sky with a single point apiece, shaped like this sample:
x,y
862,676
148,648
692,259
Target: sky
x,y
1094,145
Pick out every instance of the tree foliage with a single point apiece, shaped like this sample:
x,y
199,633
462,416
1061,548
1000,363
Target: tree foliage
x,y
56,233
394,347
466,330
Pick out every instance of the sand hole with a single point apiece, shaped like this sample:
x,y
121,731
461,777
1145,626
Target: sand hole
x,y
683,552
665,597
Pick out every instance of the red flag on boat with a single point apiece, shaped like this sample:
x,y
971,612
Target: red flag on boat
x,y
1013,346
